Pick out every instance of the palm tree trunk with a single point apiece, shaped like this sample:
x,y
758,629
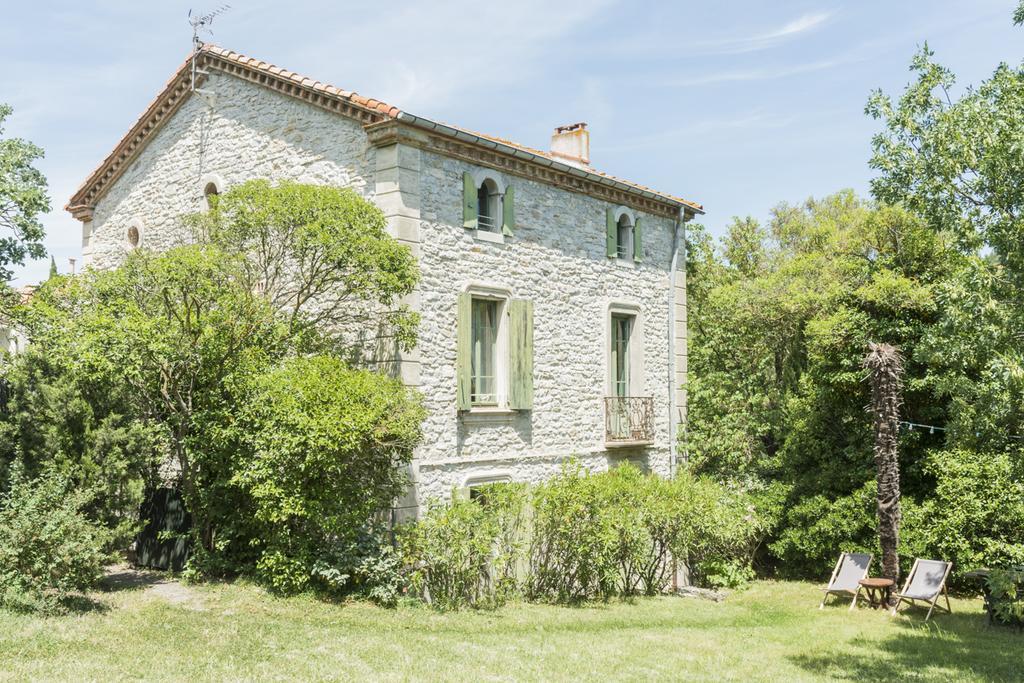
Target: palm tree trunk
x,y
885,365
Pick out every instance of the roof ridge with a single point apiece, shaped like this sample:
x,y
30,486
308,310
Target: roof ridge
x,y
365,109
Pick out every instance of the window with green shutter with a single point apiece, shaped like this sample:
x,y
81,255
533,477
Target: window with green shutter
x,y
623,235
494,358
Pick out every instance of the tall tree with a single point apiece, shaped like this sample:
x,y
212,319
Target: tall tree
x,y
885,371
955,158
23,199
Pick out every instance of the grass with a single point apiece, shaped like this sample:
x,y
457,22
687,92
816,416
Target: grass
x,y
771,631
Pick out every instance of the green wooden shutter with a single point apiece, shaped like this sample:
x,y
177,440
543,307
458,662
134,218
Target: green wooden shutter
x,y
638,240
611,234
508,209
463,354
470,210
520,337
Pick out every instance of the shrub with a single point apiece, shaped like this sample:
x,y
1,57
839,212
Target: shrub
x,y
726,527
975,516
816,529
1006,596
48,548
467,554
67,419
572,557
323,448
620,532
368,567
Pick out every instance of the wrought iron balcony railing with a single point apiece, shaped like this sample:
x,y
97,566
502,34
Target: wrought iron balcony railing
x,y
629,420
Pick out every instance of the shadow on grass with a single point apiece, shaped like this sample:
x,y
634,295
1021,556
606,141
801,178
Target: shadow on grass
x,y
949,646
128,579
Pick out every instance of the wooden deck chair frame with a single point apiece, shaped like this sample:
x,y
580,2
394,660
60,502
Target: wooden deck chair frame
x,y
933,603
835,572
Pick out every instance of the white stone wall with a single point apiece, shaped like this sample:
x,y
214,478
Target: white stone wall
x,y
242,132
556,259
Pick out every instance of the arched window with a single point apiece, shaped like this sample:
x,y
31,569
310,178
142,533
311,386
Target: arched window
x,y
212,185
488,201
624,237
210,193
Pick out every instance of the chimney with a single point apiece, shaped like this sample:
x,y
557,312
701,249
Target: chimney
x,y
571,144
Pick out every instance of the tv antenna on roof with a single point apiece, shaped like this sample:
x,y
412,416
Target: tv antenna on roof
x,y
202,23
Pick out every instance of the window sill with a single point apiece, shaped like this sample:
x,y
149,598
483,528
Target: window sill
x,y
624,263
488,414
488,236
628,444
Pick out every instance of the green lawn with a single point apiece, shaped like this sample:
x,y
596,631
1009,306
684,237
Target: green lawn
x,y
772,631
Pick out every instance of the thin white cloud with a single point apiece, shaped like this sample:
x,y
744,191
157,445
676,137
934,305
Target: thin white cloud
x,y
765,39
762,74
472,47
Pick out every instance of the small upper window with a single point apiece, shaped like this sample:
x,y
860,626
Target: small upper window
x,y
624,238
488,201
210,193
133,235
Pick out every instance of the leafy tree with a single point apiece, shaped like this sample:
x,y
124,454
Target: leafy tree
x,y
777,390
958,163
73,422
321,448
23,199
320,256
182,335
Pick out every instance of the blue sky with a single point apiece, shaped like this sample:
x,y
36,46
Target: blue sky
x,y
737,105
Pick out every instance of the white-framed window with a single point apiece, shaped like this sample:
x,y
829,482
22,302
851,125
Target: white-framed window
x,y
489,206
623,235
478,486
624,238
494,351
213,186
624,348
621,339
487,371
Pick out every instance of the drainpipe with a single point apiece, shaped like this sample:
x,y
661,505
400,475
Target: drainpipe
x,y
673,423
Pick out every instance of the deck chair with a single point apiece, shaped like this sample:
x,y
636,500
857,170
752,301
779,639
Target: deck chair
x,y
926,582
851,568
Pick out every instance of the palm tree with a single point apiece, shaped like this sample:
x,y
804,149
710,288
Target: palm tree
x,y
885,367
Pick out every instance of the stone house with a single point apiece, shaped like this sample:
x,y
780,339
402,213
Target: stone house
x,y
552,298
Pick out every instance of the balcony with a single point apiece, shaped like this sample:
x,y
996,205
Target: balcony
x,y
628,421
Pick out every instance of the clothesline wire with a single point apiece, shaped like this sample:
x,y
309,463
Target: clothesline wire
x,y
933,428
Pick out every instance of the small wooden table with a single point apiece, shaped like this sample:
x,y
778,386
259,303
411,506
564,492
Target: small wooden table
x,y
879,591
